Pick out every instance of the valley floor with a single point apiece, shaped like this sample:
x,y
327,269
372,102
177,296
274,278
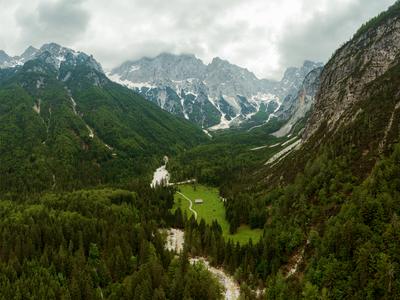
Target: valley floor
x,y
211,209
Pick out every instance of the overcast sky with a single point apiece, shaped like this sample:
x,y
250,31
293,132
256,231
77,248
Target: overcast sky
x,y
265,36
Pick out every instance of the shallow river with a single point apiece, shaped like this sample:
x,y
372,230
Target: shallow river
x,y
175,241
160,176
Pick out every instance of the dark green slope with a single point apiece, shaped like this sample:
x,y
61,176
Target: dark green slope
x,y
330,210
55,148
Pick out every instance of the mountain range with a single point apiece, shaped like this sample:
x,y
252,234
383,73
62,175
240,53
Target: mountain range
x,y
218,95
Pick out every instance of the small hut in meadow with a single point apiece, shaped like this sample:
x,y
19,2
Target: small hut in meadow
x,y
198,201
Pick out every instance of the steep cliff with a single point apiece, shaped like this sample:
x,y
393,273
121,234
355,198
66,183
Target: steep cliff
x,y
345,79
357,105
297,106
218,95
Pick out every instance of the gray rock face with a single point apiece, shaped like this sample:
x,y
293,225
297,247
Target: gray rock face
x,y
355,65
57,59
68,57
293,78
29,53
165,67
58,55
223,78
216,96
10,62
5,60
296,108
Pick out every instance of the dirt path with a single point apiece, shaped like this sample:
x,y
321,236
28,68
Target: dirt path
x,y
190,204
183,182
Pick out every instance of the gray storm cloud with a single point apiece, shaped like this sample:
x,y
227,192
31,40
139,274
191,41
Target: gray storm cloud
x,y
62,21
326,31
263,36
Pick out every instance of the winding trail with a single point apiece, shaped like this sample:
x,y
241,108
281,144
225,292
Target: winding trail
x,y
190,204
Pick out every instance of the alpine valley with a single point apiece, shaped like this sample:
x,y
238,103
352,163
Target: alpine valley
x,y
169,178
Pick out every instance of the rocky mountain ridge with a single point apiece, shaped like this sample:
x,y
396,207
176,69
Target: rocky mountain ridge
x,y
297,106
354,66
357,103
56,55
215,96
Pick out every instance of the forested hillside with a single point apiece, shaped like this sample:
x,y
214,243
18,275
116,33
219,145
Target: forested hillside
x,y
95,244
67,126
227,155
325,236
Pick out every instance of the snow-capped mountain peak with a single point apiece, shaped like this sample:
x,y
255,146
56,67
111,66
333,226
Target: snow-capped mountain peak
x,y
56,56
217,95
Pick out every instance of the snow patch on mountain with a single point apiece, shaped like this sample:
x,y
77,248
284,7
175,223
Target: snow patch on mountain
x,y
53,54
134,68
217,96
132,85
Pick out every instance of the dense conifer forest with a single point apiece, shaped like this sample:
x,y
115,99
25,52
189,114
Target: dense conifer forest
x,y
339,232
95,244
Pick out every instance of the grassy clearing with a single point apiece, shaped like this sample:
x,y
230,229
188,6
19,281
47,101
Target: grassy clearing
x,y
213,209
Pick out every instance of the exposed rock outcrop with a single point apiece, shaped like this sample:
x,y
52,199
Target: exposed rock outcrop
x,y
216,96
358,63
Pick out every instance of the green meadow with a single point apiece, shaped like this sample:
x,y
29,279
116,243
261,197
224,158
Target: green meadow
x,y
211,209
